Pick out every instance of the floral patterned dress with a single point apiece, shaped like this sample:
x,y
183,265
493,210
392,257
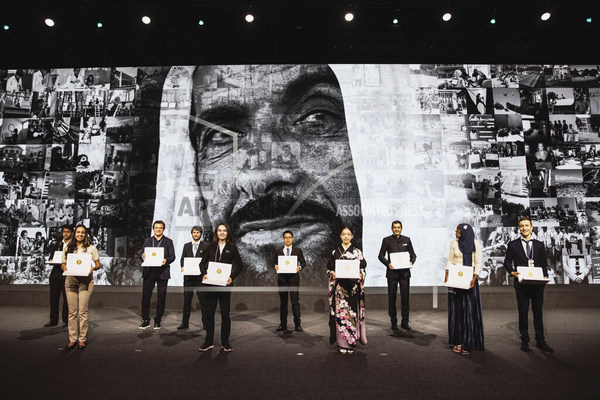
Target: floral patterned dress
x,y
346,301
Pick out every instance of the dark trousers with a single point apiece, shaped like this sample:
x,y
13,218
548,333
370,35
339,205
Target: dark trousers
x,y
191,284
210,303
293,282
152,279
535,294
57,287
402,280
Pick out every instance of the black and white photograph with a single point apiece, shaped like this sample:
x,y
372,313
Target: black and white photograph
x,y
543,211
31,241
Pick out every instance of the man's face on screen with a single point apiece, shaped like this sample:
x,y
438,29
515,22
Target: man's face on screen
x,y
287,110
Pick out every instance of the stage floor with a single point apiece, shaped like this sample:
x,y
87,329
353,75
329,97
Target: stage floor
x,y
122,362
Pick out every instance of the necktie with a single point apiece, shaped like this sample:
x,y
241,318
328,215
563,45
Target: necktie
x,y
287,251
195,248
218,253
528,243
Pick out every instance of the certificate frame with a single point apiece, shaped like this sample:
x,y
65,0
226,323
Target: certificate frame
x,y
347,269
459,277
532,276
56,257
287,264
400,260
191,266
154,256
78,264
217,274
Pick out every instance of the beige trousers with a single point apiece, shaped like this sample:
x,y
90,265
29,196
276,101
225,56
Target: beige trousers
x,y
79,290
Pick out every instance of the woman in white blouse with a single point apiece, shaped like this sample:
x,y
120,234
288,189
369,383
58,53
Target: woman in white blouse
x,y
465,323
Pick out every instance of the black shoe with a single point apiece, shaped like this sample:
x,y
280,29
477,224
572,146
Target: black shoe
x,y
525,346
81,345
183,326
394,327
49,324
70,346
206,347
227,347
281,328
298,328
544,346
405,326
157,325
145,324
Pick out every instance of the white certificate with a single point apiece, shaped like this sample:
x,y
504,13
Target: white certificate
x,y
191,266
78,264
347,269
56,258
459,277
154,256
287,264
532,275
217,274
400,260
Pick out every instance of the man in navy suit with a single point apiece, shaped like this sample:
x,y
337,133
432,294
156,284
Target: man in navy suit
x,y
397,243
195,248
525,252
289,280
158,276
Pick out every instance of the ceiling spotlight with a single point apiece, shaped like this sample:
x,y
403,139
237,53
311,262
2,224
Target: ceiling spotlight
x,y
395,21
588,20
447,17
6,27
493,21
99,25
49,22
249,17
146,19
349,16
545,16
201,22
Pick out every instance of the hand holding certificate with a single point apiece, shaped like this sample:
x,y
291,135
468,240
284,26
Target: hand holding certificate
x,y
78,264
217,274
347,269
400,260
191,266
154,256
287,264
532,276
459,277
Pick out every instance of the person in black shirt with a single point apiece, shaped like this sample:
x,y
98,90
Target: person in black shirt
x,y
192,283
57,280
394,244
221,250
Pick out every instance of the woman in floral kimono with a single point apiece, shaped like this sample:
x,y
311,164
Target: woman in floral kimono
x,y
346,298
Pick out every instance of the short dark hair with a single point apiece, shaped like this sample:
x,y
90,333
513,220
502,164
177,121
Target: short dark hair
x,y
158,221
196,228
525,218
67,227
287,231
396,222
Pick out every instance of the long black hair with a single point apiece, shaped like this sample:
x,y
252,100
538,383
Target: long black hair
x,y
72,246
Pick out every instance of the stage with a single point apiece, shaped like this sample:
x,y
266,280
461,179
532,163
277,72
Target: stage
x,y
122,362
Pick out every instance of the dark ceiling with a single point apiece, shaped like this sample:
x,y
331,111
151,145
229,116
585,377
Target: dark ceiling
x,y
295,31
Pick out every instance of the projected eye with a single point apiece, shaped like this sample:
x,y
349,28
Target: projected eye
x,y
319,122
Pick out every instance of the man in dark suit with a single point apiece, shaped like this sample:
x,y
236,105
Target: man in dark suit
x,y
289,280
57,280
195,248
525,252
158,276
397,243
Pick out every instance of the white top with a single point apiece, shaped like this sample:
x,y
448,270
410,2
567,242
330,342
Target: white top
x,y
455,256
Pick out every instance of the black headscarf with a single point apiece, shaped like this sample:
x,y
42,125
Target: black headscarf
x,y
466,243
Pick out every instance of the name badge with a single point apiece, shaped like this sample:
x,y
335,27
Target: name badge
x,y
531,264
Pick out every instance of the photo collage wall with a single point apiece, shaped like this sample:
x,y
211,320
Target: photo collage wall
x,y
482,144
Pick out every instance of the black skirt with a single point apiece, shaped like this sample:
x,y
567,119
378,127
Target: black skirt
x,y
465,322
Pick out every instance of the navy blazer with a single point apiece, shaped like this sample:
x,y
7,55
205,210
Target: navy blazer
x,y
230,255
516,257
393,244
295,252
165,270
188,251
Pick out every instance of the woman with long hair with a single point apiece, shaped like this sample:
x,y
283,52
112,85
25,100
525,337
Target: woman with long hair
x,y
346,298
465,323
79,288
